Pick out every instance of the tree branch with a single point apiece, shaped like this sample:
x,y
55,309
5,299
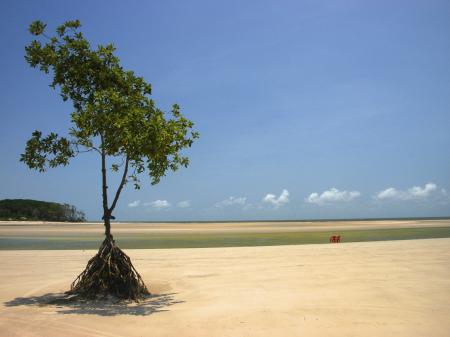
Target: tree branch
x,y
122,184
89,148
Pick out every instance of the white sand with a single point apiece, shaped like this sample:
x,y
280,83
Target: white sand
x,y
392,288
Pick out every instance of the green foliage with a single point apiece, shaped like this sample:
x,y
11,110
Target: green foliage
x,y
113,112
37,28
25,209
50,150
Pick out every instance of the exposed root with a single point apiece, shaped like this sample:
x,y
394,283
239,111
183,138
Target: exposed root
x,y
109,273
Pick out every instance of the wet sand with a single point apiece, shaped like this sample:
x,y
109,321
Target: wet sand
x,y
17,228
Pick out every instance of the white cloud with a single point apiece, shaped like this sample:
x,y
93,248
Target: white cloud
x,y
332,195
135,203
389,193
184,204
419,192
277,202
158,204
415,192
231,201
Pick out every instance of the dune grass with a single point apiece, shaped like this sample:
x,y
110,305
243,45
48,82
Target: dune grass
x,y
203,240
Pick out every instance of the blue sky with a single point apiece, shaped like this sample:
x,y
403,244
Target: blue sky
x,y
306,109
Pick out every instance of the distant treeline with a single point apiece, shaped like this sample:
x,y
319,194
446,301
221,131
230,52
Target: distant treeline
x,y
25,209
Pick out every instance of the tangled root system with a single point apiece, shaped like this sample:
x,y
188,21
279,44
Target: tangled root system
x,y
109,273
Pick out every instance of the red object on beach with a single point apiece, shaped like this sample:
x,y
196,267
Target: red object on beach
x,y
335,239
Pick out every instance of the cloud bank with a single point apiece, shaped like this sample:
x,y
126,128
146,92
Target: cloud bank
x,y
282,199
415,192
231,201
331,196
158,204
135,203
429,191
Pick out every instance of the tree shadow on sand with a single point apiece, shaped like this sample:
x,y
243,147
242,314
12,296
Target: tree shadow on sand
x,y
64,304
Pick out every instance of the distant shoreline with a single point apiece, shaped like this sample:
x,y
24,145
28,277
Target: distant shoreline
x,y
291,220
226,221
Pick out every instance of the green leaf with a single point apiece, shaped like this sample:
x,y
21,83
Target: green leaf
x,y
37,27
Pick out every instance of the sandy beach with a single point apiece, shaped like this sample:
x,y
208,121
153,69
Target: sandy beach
x,y
226,169
390,288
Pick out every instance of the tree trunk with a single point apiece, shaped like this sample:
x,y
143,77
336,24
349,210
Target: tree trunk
x,y
107,224
106,211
